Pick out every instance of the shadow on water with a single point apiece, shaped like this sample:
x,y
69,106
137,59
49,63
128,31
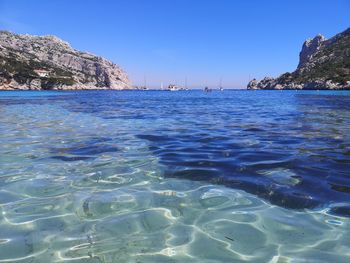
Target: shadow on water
x,y
83,150
297,158
290,148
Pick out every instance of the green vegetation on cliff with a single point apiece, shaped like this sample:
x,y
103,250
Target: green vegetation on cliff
x,y
324,64
47,62
23,72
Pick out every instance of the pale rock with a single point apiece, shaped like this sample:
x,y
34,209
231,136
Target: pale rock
x,y
68,68
323,64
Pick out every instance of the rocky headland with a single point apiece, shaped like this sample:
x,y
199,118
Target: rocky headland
x,y
323,64
30,62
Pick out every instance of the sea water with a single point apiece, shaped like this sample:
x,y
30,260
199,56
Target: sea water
x,y
188,176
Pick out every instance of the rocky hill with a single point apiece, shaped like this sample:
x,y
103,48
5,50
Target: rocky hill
x,y
47,62
323,64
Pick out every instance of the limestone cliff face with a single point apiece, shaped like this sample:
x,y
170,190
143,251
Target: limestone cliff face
x,y
310,47
323,64
47,62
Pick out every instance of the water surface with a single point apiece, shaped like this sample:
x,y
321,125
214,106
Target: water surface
x,y
233,176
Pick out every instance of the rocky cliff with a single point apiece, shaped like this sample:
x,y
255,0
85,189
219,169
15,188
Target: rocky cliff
x,y
47,62
323,64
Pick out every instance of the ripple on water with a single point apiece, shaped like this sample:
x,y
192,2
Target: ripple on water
x,y
104,204
282,176
129,178
213,198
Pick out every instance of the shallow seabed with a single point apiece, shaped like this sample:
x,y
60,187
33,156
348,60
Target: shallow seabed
x,y
231,176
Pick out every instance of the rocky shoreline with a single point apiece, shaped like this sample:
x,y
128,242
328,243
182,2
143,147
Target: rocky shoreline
x,y
274,84
30,62
323,65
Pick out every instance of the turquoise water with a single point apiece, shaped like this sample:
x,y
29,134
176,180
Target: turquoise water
x,y
152,176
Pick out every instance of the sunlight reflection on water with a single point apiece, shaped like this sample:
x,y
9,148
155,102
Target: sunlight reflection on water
x,y
184,177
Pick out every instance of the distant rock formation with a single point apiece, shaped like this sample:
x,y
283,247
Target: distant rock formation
x,y
46,62
310,47
323,64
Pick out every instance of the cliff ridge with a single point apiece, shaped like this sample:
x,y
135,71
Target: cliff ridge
x,y
323,64
29,62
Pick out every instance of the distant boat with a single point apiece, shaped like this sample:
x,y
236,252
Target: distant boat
x,y
206,89
144,87
220,86
172,87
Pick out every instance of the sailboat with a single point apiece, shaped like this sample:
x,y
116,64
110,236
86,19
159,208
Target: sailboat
x,y
220,86
207,89
186,84
144,87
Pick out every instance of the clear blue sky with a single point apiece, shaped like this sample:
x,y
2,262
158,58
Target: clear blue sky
x,y
167,40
